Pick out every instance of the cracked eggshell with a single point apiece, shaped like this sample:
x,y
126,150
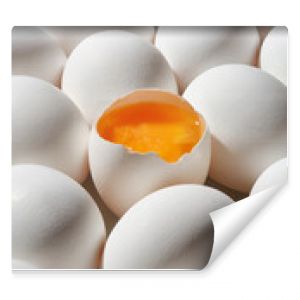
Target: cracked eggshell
x,y
47,128
55,222
69,37
123,177
246,109
174,230
36,53
192,50
273,54
275,175
109,64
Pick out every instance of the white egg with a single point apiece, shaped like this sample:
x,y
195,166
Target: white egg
x,y
22,265
123,177
69,37
47,128
168,229
263,31
192,50
55,222
275,175
246,110
273,54
110,64
36,53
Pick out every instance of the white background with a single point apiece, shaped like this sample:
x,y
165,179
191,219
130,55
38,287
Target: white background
x,y
262,262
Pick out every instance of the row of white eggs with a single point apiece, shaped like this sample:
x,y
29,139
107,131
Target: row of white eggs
x,y
42,52
56,135
52,132
56,224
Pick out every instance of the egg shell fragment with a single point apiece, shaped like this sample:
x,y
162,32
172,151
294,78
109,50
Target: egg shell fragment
x,y
246,109
69,37
273,55
36,53
275,175
47,128
110,64
123,177
55,222
192,50
168,229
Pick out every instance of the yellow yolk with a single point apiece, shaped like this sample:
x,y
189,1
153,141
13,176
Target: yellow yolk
x,y
169,130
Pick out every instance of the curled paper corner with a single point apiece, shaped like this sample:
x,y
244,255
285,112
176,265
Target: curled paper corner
x,y
229,221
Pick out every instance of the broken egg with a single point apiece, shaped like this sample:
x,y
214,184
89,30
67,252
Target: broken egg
x,y
110,64
144,141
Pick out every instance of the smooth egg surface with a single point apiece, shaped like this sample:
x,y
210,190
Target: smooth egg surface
x,y
110,64
246,109
36,53
273,54
55,222
69,37
22,265
47,128
144,141
275,175
192,50
168,229
263,31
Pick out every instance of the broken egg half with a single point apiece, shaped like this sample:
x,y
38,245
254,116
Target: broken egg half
x,y
147,140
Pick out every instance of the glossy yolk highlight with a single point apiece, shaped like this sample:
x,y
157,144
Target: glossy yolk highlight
x,y
169,130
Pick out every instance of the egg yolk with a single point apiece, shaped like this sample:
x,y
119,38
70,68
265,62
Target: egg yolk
x,y
167,129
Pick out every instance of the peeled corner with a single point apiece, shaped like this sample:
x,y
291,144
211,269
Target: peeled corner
x,y
229,221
